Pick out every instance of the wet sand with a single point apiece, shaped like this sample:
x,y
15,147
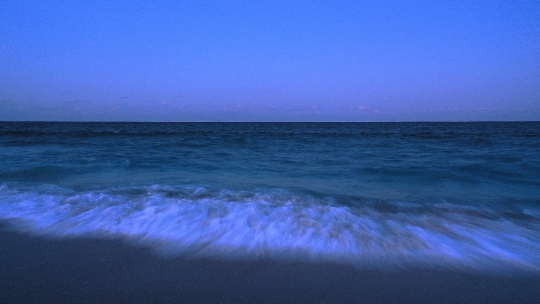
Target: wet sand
x,y
41,270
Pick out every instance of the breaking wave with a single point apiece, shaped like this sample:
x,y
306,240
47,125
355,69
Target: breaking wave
x,y
277,224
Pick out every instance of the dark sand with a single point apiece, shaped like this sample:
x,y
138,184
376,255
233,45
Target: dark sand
x,y
34,269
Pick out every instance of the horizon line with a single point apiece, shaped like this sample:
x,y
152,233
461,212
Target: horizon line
x,y
270,121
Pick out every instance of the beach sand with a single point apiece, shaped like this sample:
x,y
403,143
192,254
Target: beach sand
x,y
41,270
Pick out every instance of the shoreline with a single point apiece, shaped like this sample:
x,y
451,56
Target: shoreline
x,y
39,269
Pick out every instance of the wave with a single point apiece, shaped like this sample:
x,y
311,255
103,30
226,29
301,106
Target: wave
x,y
277,224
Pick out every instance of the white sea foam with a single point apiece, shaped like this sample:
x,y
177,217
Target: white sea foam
x,y
280,225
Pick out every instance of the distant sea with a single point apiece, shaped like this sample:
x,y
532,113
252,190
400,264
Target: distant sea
x,y
371,195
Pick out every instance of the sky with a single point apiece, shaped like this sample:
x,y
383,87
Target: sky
x,y
269,60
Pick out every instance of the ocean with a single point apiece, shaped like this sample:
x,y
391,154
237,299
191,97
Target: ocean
x,y
460,195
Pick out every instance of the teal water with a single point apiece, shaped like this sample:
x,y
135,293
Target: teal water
x,y
463,195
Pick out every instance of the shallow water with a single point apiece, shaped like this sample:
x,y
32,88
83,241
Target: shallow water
x,y
373,195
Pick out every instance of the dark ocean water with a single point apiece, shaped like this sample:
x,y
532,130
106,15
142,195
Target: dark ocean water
x,y
372,195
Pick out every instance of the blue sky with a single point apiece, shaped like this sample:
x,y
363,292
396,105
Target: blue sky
x,y
269,60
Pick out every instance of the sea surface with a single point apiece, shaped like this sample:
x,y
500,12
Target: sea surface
x,y
372,195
